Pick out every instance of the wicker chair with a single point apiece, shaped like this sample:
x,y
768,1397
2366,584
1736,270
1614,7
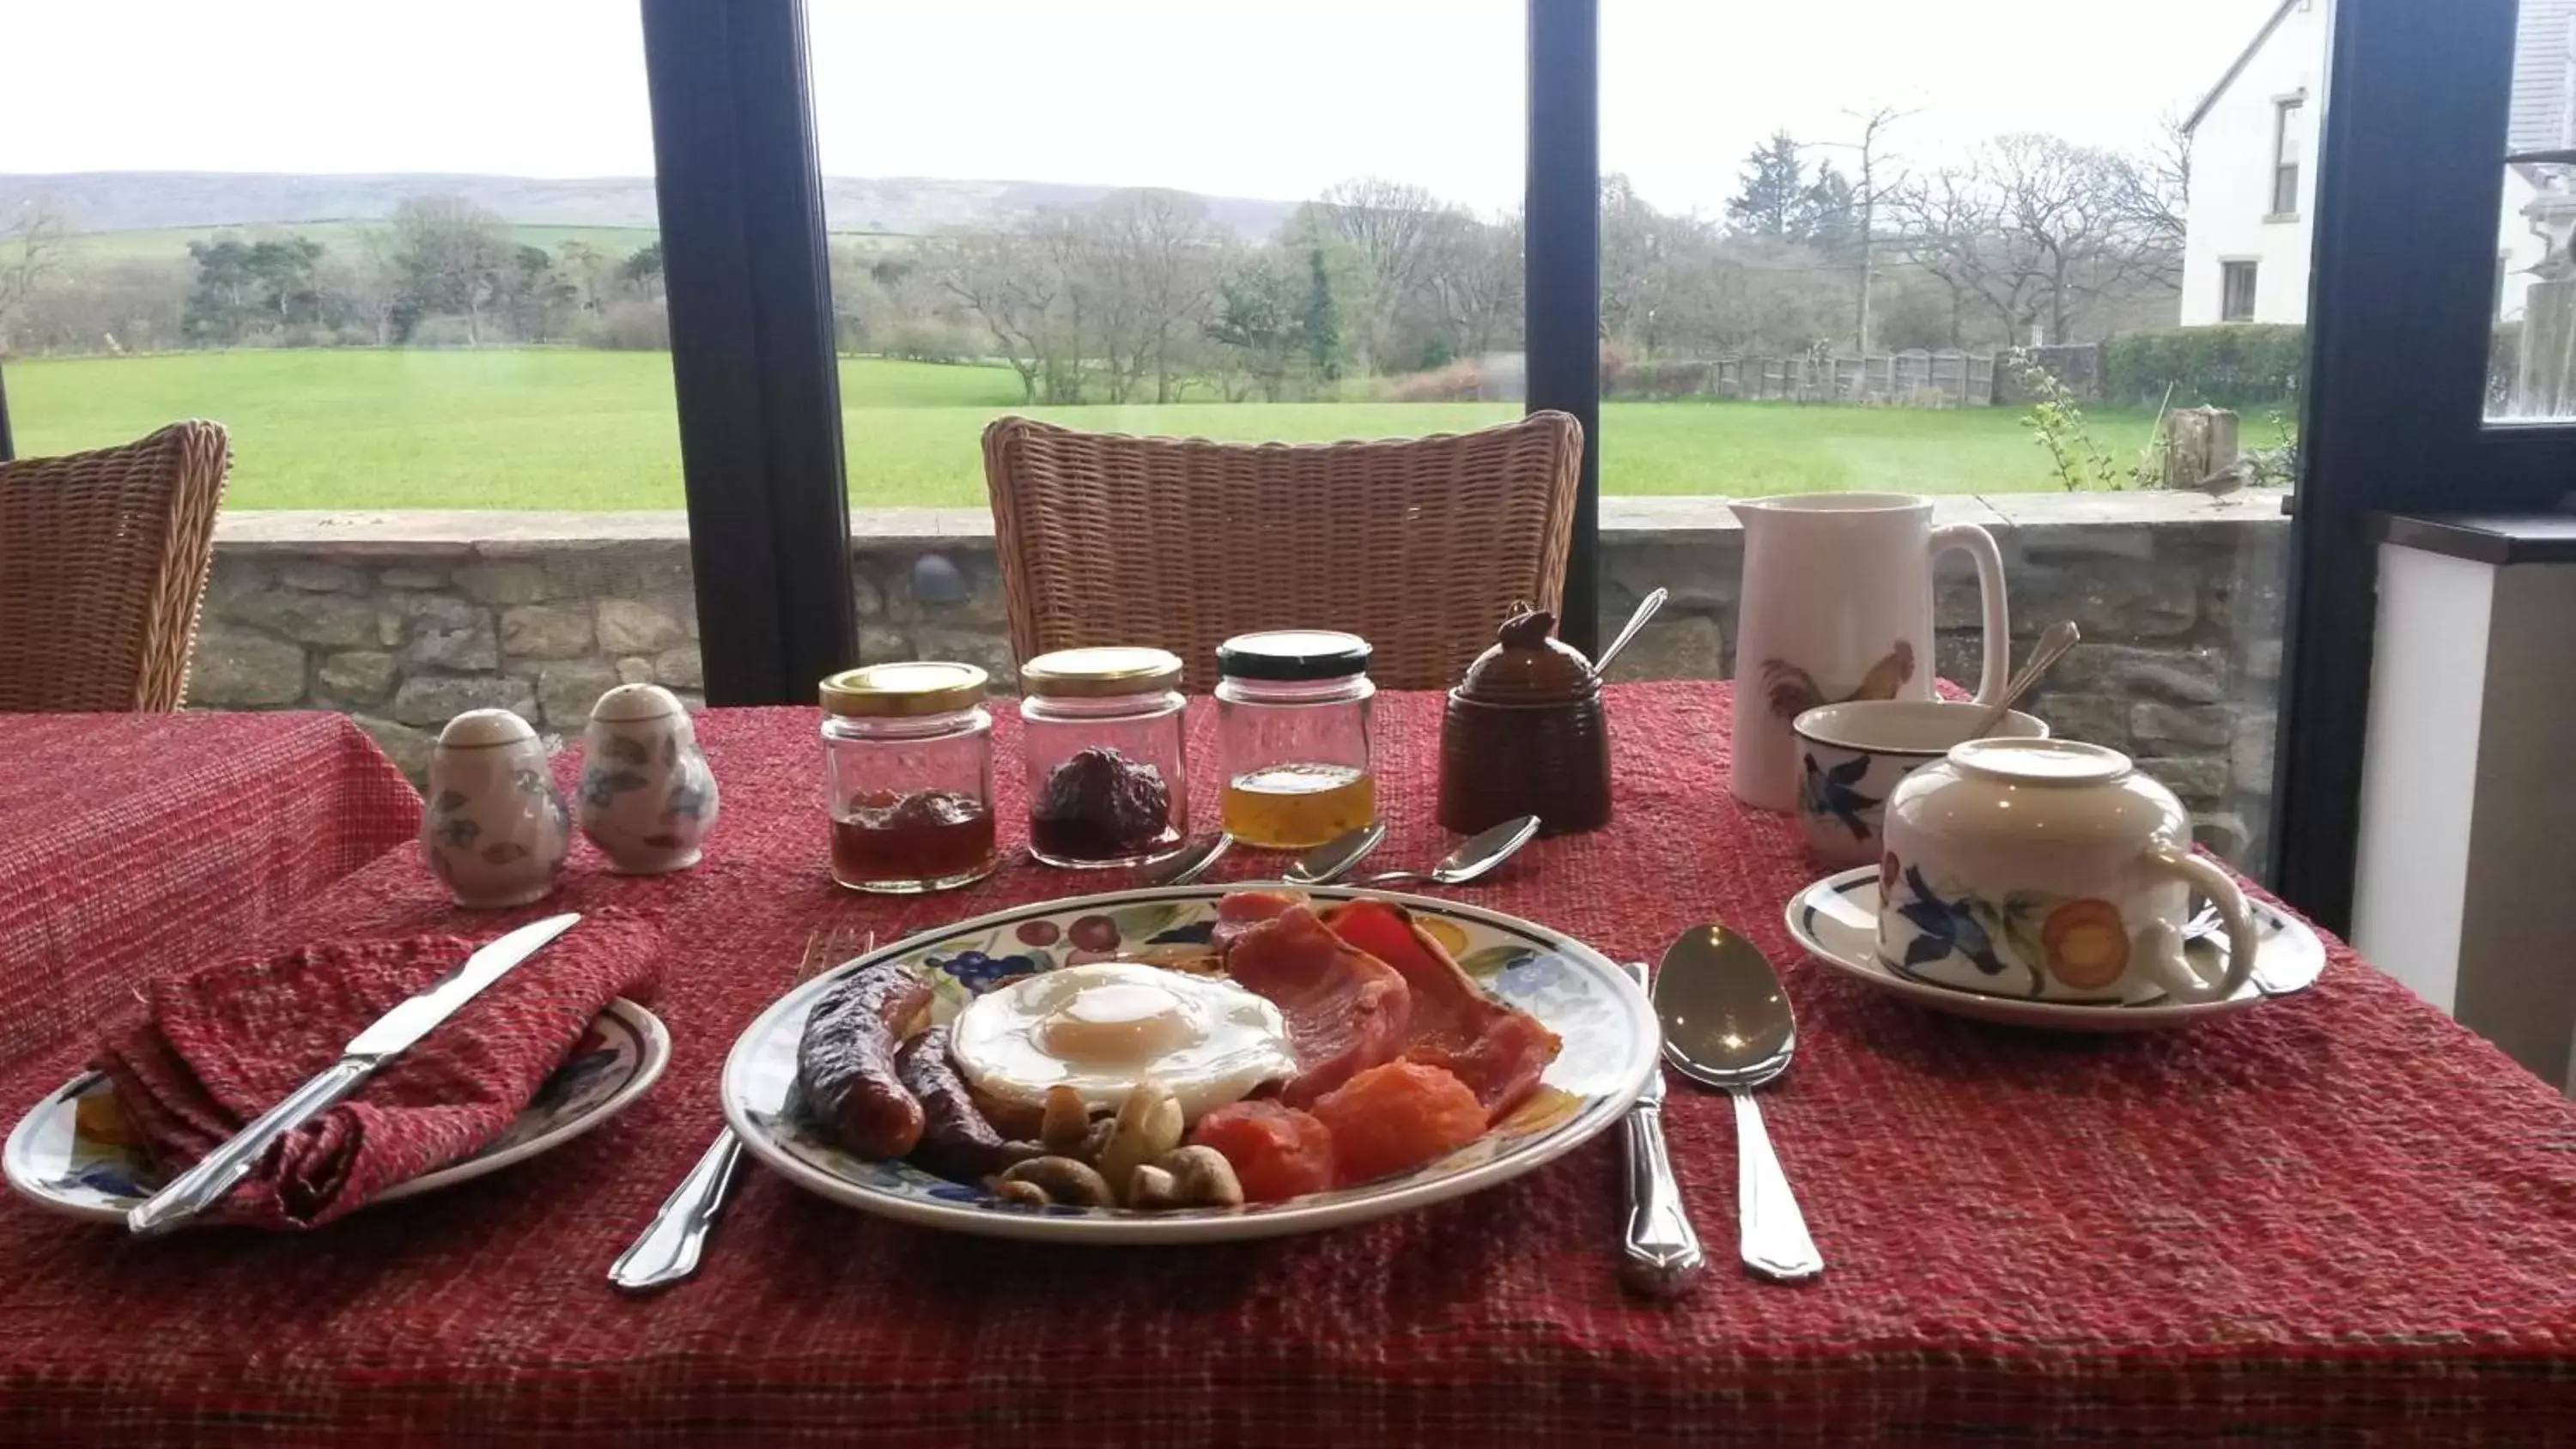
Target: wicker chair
x,y
1423,545
103,560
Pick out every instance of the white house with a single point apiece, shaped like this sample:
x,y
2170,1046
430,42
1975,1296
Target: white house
x,y
2254,177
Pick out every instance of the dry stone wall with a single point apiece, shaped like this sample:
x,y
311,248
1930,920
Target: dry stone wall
x,y
402,620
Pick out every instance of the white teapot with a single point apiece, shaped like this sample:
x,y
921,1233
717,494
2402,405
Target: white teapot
x,y
2049,870
647,796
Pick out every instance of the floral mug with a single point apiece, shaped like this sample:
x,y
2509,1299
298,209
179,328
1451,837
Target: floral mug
x,y
2053,871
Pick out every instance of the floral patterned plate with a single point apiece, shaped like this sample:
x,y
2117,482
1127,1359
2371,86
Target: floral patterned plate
x,y
1836,919
72,1154
1607,1025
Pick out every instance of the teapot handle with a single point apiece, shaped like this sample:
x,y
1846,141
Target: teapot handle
x,y
1979,546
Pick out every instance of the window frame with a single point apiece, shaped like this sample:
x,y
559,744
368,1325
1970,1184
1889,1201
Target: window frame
x,y
2229,268
2287,111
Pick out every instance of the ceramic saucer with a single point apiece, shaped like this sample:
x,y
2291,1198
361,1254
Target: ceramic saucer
x,y
1836,920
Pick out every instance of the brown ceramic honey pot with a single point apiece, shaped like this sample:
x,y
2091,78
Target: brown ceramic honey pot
x,y
1524,735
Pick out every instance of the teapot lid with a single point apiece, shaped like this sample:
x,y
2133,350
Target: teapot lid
x,y
1527,664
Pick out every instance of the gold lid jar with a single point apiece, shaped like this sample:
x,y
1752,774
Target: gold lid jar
x,y
908,764
1106,748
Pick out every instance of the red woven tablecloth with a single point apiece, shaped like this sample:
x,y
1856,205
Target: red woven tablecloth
x,y
135,844
2338,1218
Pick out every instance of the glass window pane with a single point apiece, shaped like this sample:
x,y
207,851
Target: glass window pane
x,y
412,268
2531,372
1838,255
1115,231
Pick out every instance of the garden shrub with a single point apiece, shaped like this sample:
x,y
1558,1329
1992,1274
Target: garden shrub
x,y
2231,366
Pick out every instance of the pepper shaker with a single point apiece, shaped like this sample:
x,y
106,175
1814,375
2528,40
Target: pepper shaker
x,y
495,833
647,796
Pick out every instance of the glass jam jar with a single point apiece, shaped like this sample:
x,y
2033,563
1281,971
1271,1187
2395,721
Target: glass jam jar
x,y
1293,734
908,761
1107,756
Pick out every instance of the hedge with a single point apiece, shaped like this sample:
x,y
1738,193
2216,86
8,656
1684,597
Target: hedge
x,y
2228,366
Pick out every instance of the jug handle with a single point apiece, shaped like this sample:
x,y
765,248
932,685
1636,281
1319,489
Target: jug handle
x,y
1979,546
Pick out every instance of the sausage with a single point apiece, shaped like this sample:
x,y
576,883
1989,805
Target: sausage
x,y
845,1063
956,1142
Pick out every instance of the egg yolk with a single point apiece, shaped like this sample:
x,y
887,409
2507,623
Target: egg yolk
x,y
1120,1021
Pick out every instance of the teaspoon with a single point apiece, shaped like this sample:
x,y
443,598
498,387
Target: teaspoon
x,y
1325,863
1480,853
1727,1024
1646,608
2053,643
1192,862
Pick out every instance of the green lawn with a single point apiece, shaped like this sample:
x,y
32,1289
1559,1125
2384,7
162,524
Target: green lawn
x,y
595,430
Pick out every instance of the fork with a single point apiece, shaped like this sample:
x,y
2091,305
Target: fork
x,y
668,1249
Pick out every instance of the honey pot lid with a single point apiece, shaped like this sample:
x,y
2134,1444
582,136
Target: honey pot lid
x,y
912,687
1528,664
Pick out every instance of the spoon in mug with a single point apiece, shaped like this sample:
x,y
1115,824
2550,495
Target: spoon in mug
x,y
1727,1024
2053,643
1479,854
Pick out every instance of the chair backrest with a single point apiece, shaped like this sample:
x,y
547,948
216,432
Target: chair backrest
x,y
1421,545
103,560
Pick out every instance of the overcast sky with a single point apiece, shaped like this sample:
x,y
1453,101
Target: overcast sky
x,y
1272,99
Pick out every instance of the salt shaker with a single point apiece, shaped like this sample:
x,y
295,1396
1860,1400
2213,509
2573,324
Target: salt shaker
x,y
495,832
647,796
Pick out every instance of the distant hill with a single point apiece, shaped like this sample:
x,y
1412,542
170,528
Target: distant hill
x,y
98,201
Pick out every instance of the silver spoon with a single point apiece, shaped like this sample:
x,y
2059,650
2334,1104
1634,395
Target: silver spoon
x,y
1190,864
1661,1255
1326,862
1727,1024
2053,643
1480,853
1646,608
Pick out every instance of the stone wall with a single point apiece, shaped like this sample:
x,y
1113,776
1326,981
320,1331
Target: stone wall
x,y
404,619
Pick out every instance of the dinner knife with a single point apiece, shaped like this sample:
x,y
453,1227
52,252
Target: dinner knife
x,y
204,1184
1661,1255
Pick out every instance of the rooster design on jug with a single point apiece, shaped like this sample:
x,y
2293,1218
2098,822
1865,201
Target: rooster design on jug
x,y
1792,691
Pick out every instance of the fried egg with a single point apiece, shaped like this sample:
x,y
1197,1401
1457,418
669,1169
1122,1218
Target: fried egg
x,y
1103,1027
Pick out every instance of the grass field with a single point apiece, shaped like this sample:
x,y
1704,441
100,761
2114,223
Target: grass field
x,y
596,430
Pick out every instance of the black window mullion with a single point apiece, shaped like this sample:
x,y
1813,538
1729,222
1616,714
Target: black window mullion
x,y
8,449
747,277
1561,269
2408,190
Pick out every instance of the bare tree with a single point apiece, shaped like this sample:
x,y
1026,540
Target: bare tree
x,y
1391,225
2151,192
455,258
31,250
1000,276
2031,228
1881,179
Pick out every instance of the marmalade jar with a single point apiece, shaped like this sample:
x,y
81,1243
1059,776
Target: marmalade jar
x,y
1293,736
908,762
1108,770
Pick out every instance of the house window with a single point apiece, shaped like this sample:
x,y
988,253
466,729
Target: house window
x,y
2236,291
2285,155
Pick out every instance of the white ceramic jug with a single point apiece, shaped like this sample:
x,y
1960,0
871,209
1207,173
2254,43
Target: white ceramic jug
x,y
1837,605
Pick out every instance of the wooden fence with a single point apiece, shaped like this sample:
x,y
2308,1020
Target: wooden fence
x,y
1903,379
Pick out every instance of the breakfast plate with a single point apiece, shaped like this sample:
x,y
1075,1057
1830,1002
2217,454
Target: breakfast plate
x,y
74,1155
1836,920
1607,1026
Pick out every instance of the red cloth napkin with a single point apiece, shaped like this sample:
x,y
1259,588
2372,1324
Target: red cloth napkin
x,y
219,1046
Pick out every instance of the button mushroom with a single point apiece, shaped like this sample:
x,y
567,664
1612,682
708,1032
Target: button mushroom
x,y
1149,1124
1067,1121
1063,1180
1201,1177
